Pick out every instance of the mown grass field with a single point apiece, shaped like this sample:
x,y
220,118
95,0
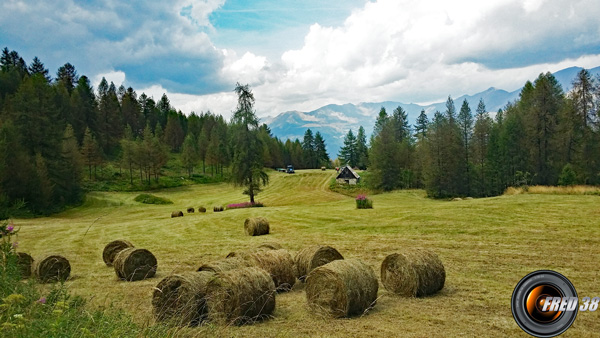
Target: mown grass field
x,y
487,246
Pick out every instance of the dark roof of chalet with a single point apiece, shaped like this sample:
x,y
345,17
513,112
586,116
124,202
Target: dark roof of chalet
x,y
347,172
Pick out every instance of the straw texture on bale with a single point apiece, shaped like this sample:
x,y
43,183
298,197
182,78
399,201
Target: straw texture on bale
x,y
429,272
312,257
202,209
24,262
190,210
240,296
52,268
270,246
278,263
112,249
177,214
342,288
182,297
399,276
256,226
227,264
135,264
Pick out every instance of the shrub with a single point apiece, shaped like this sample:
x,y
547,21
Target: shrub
x,y
245,205
567,176
151,199
362,202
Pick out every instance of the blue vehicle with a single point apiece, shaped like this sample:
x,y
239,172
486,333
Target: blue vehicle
x,y
290,169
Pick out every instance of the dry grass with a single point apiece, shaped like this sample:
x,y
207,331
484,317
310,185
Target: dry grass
x,y
486,245
555,190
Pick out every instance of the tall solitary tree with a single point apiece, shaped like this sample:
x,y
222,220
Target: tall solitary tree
x,y
247,167
348,154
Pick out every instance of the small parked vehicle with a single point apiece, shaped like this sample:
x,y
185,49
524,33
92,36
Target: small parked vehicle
x,y
290,169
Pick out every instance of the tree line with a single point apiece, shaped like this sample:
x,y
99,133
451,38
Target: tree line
x,y
546,137
56,132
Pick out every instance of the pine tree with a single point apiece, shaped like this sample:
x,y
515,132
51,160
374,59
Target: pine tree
x,y
247,167
91,153
308,147
321,150
362,150
348,154
174,133
481,135
68,185
400,124
67,75
421,125
128,151
385,156
382,120
465,122
37,67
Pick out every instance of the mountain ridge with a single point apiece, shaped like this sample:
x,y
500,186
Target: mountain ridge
x,y
334,120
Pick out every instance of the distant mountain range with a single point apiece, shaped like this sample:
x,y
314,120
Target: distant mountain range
x,y
333,121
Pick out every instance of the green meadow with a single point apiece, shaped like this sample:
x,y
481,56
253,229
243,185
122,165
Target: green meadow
x,y
487,245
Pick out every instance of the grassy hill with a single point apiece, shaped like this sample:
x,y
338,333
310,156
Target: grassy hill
x,y
487,246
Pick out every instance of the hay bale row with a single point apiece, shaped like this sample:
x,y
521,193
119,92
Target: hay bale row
x,y
52,268
24,262
112,249
240,296
312,257
176,214
182,298
133,264
342,288
413,273
190,210
218,208
256,226
278,263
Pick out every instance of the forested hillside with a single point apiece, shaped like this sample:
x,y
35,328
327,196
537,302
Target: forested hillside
x,y
56,131
546,137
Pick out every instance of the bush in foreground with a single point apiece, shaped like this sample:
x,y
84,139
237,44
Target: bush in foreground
x,y
362,202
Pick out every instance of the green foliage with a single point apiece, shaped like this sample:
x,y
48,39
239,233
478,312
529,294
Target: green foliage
x,y
567,176
362,202
247,166
349,153
151,199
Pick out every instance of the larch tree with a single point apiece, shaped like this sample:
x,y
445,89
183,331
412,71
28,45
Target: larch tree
x,y
247,169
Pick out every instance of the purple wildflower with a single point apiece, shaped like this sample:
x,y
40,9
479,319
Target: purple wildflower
x,y
10,228
42,300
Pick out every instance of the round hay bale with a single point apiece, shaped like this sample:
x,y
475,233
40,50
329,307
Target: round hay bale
x,y
176,214
227,264
429,273
112,249
312,257
457,199
201,209
270,246
342,288
278,263
133,264
256,226
182,297
218,209
52,268
240,296
24,262
399,276
190,210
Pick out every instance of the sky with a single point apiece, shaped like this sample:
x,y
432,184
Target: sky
x,y
301,55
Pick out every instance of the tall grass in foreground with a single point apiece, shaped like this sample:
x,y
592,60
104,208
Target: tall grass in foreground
x,y
27,312
554,190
